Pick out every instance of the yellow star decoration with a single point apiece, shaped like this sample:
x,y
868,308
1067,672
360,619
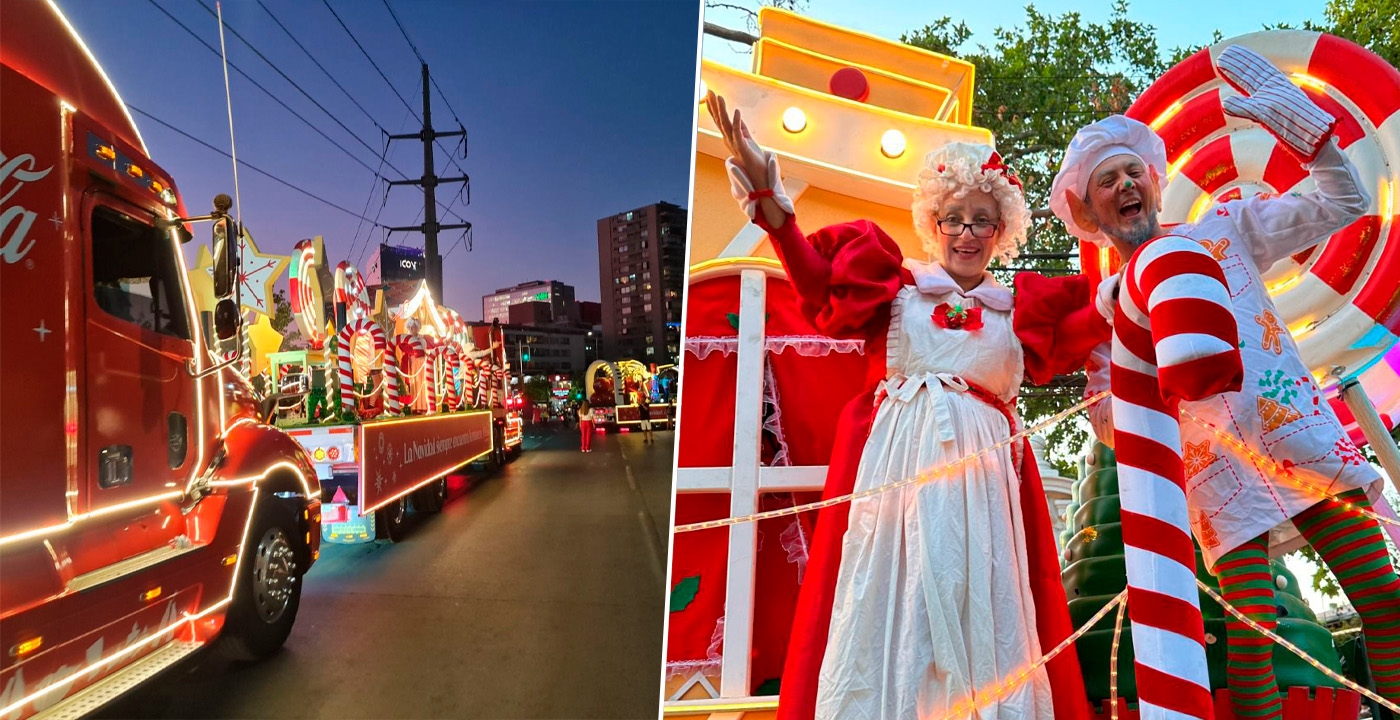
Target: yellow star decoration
x,y
1198,457
265,341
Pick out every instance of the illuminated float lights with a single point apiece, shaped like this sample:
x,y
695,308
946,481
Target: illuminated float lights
x,y
922,477
424,483
981,697
1272,467
1278,640
1113,657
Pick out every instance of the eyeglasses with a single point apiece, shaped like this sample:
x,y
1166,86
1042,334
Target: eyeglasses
x,y
982,230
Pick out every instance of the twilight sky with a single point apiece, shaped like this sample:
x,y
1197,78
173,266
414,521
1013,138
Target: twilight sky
x,y
575,111
1181,23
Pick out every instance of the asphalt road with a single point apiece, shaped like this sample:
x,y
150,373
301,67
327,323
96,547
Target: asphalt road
x,y
537,593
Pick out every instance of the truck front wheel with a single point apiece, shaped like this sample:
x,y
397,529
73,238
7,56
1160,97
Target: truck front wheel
x,y
267,589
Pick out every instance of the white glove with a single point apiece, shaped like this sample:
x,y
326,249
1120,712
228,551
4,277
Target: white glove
x,y
1107,297
740,186
1272,101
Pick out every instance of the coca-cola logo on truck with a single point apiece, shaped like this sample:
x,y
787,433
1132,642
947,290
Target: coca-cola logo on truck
x,y
16,220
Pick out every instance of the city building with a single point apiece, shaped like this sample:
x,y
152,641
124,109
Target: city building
x,y
397,270
559,297
534,312
545,349
590,313
641,267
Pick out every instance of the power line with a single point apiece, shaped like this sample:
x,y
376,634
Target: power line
x,y
370,59
384,77
294,84
404,32
451,156
246,76
356,240
253,167
322,68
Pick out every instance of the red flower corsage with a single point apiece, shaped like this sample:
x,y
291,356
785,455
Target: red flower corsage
x,y
957,317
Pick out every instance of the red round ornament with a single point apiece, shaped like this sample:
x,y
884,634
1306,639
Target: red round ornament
x,y
850,83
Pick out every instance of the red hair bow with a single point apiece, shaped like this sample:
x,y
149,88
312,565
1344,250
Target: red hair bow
x,y
995,163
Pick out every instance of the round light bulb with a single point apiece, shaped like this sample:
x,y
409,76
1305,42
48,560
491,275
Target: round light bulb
x,y
892,143
794,120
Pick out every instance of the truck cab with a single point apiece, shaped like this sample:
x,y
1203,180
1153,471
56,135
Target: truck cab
x,y
146,506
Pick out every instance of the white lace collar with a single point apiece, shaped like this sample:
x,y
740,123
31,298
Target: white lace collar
x,y
931,279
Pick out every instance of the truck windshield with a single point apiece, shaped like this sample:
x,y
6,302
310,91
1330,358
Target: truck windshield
x,y
134,275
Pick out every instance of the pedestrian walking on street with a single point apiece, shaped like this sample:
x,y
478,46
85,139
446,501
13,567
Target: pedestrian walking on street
x,y
585,427
644,409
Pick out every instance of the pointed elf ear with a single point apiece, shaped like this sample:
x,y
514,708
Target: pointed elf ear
x,y
1082,216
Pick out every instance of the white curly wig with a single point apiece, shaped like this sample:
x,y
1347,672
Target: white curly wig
x,y
950,173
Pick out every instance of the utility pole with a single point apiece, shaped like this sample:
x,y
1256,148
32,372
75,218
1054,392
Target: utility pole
x,y
429,182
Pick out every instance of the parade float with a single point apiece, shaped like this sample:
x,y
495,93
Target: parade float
x,y
385,400
851,117
613,391
148,506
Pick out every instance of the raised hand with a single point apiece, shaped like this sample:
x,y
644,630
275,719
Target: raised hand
x,y
739,141
1272,101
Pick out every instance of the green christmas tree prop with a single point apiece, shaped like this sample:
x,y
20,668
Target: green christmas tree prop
x,y
1095,572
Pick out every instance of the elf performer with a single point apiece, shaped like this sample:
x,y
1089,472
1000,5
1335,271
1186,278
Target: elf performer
x,y
1108,191
947,588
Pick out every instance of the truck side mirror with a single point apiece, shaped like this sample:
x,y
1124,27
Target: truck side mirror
x,y
226,319
225,247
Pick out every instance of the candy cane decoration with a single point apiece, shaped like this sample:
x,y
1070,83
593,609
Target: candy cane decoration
x,y
1174,339
410,346
345,356
306,294
483,380
1341,293
452,360
350,292
245,362
470,377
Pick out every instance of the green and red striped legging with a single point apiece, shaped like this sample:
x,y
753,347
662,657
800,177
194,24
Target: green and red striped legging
x,y
1354,549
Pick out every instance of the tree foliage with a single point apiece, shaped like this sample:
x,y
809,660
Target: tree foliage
x,y
538,390
1369,23
282,319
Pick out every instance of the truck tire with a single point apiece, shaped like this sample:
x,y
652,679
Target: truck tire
x,y
431,497
498,452
392,519
267,589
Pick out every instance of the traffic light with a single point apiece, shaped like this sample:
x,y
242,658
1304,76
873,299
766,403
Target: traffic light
x,y
524,356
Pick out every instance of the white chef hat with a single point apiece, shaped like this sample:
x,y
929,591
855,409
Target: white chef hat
x,y
1093,144
954,170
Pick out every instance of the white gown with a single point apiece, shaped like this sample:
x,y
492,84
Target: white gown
x,y
932,598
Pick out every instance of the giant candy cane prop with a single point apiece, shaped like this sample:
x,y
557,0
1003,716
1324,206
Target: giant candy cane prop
x,y
345,353
1174,339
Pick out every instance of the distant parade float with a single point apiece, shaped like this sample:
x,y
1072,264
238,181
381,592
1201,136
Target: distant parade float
x,y
614,388
851,117
364,372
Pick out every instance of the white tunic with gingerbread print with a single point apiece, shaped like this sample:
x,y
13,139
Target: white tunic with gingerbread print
x,y
1280,412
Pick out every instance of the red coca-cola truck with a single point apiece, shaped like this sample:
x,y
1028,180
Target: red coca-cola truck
x,y
146,506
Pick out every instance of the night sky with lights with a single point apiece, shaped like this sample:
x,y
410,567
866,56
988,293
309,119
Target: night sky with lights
x,y
574,110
